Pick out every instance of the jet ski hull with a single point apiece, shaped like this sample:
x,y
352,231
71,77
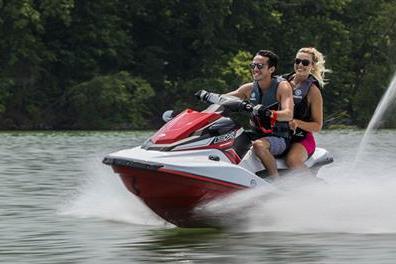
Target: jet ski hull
x,y
173,195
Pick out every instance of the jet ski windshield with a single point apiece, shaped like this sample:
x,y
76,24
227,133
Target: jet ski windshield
x,y
222,102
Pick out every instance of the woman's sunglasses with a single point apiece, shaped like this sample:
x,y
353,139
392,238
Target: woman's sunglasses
x,y
304,62
258,65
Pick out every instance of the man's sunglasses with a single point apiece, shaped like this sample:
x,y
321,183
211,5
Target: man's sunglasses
x,y
258,65
304,62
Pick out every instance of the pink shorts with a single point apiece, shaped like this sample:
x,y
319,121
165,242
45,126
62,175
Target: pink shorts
x,y
309,143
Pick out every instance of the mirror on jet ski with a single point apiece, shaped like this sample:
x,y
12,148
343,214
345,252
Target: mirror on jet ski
x,y
168,115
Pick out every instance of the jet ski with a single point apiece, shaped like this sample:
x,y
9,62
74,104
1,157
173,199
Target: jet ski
x,y
196,157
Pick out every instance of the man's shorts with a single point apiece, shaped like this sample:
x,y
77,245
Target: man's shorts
x,y
278,145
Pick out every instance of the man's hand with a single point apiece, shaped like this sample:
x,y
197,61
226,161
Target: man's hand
x,y
264,115
202,95
261,111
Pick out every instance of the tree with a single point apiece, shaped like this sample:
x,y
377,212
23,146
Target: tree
x,y
118,101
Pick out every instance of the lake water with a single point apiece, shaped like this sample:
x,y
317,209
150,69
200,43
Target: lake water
x,y
60,204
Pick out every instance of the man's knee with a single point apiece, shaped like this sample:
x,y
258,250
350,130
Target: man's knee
x,y
261,147
261,144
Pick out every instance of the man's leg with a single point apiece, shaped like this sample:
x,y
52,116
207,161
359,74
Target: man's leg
x,y
262,149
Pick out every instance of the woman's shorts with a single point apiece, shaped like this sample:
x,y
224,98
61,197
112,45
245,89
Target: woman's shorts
x,y
309,143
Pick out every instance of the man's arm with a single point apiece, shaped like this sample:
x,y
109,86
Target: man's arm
x,y
285,97
243,92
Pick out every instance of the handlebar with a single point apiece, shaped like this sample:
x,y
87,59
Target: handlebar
x,y
263,116
230,102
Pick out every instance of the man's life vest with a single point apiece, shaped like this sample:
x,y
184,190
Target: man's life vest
x,y
280,128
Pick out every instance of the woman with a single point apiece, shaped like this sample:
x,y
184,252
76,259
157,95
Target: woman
x,y
308,76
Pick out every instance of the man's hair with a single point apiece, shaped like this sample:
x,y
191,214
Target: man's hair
x,y
272,58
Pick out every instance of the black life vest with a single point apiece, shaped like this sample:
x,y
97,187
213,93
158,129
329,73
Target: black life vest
x,y
281,128
302,110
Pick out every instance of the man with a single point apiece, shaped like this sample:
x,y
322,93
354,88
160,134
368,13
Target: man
x,y
271,131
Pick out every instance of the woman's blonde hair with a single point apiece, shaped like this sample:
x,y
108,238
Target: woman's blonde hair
x,y
318,68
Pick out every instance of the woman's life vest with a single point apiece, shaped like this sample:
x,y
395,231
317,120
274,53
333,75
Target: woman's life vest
x,y
280,128
302,111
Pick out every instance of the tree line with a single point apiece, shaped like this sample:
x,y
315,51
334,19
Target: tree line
x,y
68,64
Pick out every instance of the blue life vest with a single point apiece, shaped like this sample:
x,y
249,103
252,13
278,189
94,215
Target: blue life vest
x,y
281,128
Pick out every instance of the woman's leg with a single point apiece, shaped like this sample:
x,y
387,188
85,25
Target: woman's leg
x,y
296,156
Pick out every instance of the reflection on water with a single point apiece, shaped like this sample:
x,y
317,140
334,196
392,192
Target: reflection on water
x,y
210,246
59,204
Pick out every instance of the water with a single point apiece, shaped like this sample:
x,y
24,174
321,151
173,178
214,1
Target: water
x,y
59,204
384,105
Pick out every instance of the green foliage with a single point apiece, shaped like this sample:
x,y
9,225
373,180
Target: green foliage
x,y
237,70
5,89
117,101
54,53
60,9
369,63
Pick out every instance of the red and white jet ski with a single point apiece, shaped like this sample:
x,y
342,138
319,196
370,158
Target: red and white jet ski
x,y
195,158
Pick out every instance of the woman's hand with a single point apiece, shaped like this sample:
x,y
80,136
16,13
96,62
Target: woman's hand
x,y
293,124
